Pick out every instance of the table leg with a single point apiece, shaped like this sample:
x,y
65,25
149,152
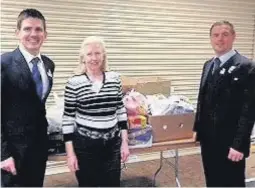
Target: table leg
x,y
177,168
160,166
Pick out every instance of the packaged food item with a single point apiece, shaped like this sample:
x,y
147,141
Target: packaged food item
x,y
140,137
138,121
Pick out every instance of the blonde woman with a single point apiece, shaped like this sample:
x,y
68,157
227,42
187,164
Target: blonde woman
x,y
95,120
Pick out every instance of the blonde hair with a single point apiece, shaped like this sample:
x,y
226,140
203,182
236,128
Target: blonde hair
x,y
81,68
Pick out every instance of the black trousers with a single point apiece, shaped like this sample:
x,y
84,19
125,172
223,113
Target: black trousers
x,y
98,160
30,174
219,170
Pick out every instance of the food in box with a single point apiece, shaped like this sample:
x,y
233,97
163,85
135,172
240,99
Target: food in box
x,y
138,121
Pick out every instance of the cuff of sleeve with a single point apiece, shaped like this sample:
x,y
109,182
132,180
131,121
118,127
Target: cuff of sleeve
x,y
68,137
236,144
5,155
122,125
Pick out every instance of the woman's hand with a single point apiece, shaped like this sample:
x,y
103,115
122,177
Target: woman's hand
x,y
72,163
124,145
124,151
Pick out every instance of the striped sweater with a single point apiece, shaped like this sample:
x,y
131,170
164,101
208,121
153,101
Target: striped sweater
x,y
90,111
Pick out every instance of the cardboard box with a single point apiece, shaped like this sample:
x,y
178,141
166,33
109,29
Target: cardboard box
x,y
146,85
128,83
172,127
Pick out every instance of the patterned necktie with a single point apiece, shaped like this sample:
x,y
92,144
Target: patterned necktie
x,y
216,64
37,76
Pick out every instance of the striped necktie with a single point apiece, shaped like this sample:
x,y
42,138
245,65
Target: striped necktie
x,y
216,64
37,76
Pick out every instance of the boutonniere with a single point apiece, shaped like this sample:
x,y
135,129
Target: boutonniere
x,y
49,73
230,70
223,71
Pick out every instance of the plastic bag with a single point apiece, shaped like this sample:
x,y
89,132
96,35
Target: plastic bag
x,y
135,103
54,115
140,137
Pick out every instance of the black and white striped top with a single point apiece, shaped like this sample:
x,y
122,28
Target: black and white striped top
x,y
93,112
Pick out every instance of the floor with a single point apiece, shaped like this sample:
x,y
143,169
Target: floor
x,y
140,174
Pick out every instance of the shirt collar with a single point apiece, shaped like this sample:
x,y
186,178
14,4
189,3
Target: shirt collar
x,y
225,57
28,57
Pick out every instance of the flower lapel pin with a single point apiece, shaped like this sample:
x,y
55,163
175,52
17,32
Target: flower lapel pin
x,y
222,72
230,70
49,73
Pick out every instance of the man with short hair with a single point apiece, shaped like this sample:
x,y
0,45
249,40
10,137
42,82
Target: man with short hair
x,y
225,110
26,80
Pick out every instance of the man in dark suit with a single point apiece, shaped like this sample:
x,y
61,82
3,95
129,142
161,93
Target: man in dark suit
x,y
225,110
26,80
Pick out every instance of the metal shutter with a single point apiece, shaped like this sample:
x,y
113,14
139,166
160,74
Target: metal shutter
x,y
143,37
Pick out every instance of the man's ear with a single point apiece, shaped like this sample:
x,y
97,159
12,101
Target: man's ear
x,y
17,33
45,35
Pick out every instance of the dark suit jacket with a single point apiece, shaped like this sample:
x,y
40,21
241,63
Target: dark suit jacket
x,y
234,102
23,121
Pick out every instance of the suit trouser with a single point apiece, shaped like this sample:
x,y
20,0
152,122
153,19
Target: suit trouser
x,y
31,174
219,170
98,160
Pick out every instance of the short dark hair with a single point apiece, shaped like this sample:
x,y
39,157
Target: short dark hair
x,y
223,22
27,13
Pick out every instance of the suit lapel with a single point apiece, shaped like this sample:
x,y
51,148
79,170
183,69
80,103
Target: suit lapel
x,y
233,61
49,75
22,68
206,71
236,59
25,79
222,75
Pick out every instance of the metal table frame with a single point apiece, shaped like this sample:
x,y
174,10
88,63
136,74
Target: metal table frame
x,y
174,165
165,146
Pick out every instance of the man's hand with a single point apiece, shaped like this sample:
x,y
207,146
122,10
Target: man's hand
x,y
235,155
9,165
